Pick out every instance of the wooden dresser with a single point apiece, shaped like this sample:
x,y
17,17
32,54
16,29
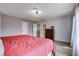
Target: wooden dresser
x,y
49,33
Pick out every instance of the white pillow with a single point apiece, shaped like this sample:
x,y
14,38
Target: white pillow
x,y
1,48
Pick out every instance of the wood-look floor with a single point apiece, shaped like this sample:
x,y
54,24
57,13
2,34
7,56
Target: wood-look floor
x,y
63,49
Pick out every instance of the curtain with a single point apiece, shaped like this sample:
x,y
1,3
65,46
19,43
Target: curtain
x,y
77,24
75,33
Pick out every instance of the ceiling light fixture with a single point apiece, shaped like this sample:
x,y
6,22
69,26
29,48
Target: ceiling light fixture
x,y
36,11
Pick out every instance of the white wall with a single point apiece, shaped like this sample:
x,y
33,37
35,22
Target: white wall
x,y
62,27
12,26
0,24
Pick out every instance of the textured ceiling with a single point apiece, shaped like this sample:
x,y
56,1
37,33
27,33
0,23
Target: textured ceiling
x,y
49,10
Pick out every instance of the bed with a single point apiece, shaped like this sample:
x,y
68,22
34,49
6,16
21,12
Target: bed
x,y
27,45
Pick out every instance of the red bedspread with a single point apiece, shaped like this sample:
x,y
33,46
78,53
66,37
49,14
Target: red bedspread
x,y
26,45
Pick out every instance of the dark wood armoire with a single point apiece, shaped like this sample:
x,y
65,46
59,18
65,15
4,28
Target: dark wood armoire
x,y
49,33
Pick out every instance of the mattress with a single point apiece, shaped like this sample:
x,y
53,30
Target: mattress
x,y
26,45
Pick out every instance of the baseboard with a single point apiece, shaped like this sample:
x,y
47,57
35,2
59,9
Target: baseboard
x,y
62,42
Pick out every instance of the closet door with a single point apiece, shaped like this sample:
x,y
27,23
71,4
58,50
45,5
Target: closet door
x,y
34,29
25,27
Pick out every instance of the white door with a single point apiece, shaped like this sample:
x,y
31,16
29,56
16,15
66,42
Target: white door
x,y
25,27
34,29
